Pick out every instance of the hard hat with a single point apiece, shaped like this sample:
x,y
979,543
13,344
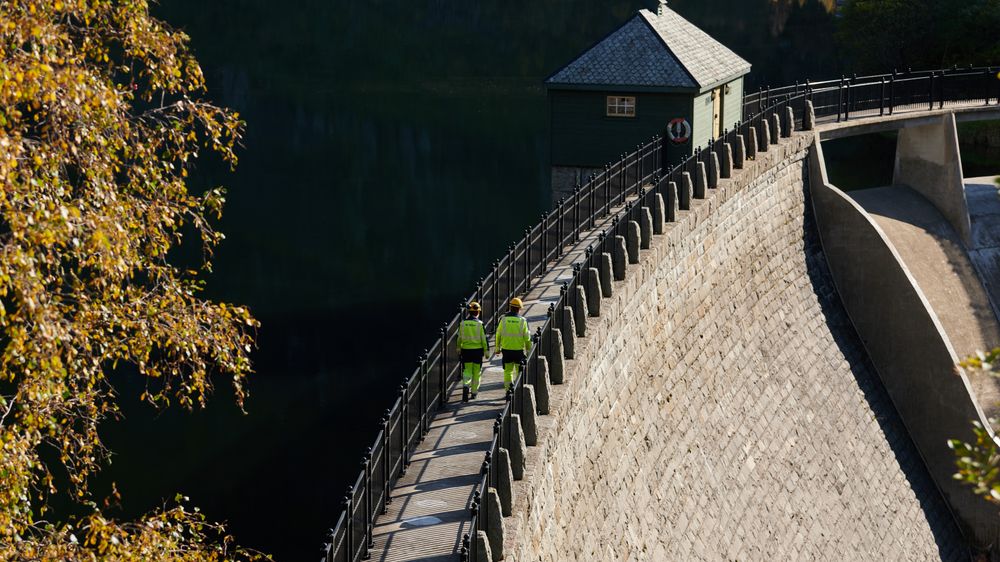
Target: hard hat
x,y
474,307
516,303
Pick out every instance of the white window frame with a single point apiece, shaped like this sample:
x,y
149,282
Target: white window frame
x,y
620,106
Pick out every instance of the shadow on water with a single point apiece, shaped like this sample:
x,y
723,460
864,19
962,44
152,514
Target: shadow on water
x,y
935,511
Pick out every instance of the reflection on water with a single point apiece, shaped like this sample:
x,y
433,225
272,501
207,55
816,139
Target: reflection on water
x,y
393,150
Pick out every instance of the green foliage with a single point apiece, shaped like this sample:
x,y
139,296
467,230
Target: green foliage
x,y
880,35
101,119
979,462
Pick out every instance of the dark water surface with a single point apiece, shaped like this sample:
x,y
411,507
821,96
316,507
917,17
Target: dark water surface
x,y
393,150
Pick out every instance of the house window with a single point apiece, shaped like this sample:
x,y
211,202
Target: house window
x,y
621,106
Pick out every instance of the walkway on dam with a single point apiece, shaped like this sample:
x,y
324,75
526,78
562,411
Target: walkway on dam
x,y
943,269
429,513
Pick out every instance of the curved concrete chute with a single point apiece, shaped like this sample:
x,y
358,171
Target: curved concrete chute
x,y
907,342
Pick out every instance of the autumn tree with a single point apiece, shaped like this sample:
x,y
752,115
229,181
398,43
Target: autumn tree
x,y
978,462
102,117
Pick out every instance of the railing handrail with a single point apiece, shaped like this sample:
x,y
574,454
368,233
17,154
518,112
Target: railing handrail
x,y
615,194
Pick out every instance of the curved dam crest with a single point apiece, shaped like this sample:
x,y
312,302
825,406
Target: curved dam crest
x,y
722,406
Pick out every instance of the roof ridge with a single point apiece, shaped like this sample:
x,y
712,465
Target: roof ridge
x,y
645,18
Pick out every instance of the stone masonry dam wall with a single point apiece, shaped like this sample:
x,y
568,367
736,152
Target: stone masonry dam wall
x,y
722,406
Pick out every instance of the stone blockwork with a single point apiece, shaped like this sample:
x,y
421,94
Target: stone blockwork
x,y
722,407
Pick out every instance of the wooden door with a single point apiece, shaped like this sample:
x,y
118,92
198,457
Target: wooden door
x,y
717,113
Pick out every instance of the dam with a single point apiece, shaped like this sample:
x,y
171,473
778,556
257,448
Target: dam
x,y
734,360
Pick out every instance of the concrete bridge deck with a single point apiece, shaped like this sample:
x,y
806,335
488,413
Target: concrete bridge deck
x,y
429,513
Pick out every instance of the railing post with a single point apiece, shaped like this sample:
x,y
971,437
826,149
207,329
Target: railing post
x,y
561,217
847,101
593,201
443,365
425,422
881,96
892,91
527,259
511,272
544,242
496,288
930,91
386,460
840,98
986,92
369,518
349,522
607,189
576,213
404,419
941,89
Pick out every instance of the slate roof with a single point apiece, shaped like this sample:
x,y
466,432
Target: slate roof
x,y
653,51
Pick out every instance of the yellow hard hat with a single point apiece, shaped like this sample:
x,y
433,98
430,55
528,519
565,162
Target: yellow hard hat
x,y
516,303
474,307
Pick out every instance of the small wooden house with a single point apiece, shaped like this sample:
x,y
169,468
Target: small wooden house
x,y
656,74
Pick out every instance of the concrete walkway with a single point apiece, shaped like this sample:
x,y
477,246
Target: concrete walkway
x,y
429,513
934,254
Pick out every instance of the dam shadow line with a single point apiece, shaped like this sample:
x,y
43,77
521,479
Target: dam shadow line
x,y
946,534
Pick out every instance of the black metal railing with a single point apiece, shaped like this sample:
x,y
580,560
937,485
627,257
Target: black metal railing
x,y
609,200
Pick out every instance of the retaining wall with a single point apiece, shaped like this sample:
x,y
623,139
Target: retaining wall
x,y
721,407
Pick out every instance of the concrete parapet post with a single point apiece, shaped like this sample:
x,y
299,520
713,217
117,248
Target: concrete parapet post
x,y
620,258
505,482
557,364
752,143
569,333
580,311
645,228
700,181
739,153
632,242
529,419
765,136
495,531
809,117
607,275
659,214
776,132
671,202
713,170
482,546
726,171
517,448
789,122
542,394
684,195
594,295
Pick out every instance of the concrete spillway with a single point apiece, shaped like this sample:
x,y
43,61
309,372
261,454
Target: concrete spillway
x,y
723,407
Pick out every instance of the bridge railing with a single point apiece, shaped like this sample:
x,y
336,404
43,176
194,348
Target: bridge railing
x,y
885,93
613,197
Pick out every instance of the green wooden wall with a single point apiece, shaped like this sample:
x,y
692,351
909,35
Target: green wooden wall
x,y
701,126
732,107
582,134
